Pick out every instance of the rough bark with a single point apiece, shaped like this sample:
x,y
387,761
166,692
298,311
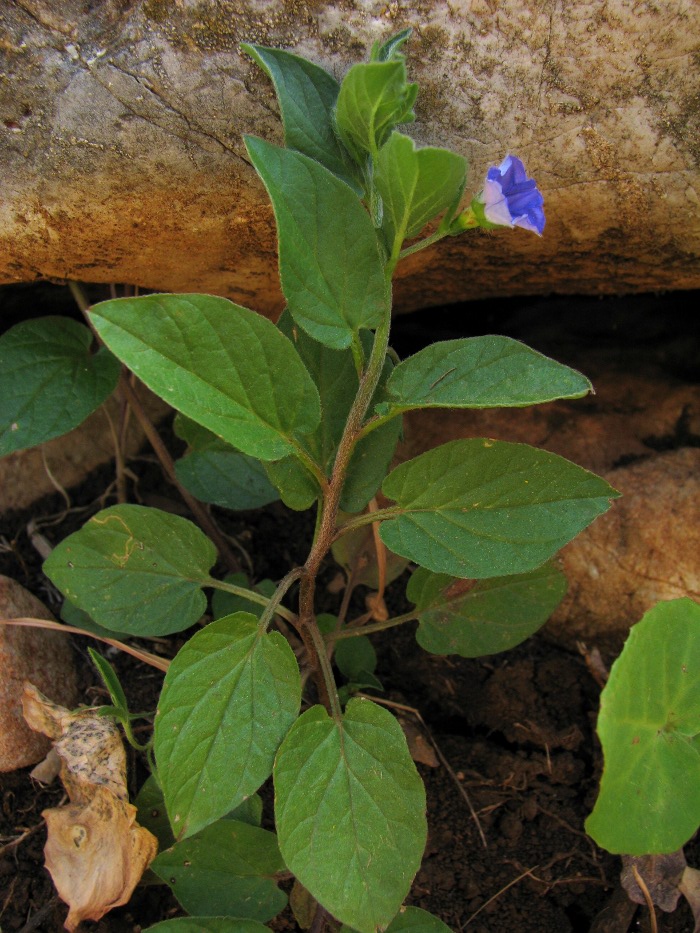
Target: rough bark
x,y
122,158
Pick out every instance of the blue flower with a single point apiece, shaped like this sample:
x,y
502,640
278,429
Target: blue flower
x,y
511,199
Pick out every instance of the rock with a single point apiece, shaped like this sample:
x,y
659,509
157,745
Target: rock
x,y
122,155
43,657
643,550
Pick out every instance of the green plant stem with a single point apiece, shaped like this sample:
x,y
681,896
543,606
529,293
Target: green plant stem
x,y
330,502
353,631
255,597
439,234
273,604
367,518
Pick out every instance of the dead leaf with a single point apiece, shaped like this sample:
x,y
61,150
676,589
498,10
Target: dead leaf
x,y
689,886
661,874
96,852
420,748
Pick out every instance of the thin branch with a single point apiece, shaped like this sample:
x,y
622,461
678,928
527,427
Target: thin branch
x,y
146,656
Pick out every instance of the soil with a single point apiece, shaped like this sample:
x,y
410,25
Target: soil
x,y
515,732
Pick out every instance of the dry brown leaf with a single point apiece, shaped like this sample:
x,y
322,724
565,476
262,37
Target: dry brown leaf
x,y
661,874
689,886
96,852
418,745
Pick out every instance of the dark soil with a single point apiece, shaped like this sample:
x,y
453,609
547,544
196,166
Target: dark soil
x,y
517,730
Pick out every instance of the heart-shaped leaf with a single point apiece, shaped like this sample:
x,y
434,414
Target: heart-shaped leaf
x,y
649,726
217,363
49,380
473,618
350,811
135,569
481,508
229,698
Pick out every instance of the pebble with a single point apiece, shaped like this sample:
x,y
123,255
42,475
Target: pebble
x,y
43,657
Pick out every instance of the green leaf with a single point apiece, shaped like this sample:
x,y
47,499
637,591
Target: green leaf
x,y
110,680
350,811
135,569
227,869
480,372
476,618
49,381
217,363
481,508
225,604
296,485
335,377
71,615
307,96
331,271
372,456
355,657
390,49
207,925
373,99
229,698
221,475
411,920
649,726
152,813
415,185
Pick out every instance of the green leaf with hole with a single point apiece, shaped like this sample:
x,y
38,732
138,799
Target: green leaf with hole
x,y
480,372
227,870
411,920
373,99
649,727
229,698
135,569
331,271
415,185
482,508
307,96
204,355
49,380
350,812
208,925
473,618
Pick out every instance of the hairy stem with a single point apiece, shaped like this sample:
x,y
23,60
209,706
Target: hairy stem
x,y
351,631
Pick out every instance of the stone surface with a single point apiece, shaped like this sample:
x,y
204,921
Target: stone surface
x,y
43,657
122,157
646,547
